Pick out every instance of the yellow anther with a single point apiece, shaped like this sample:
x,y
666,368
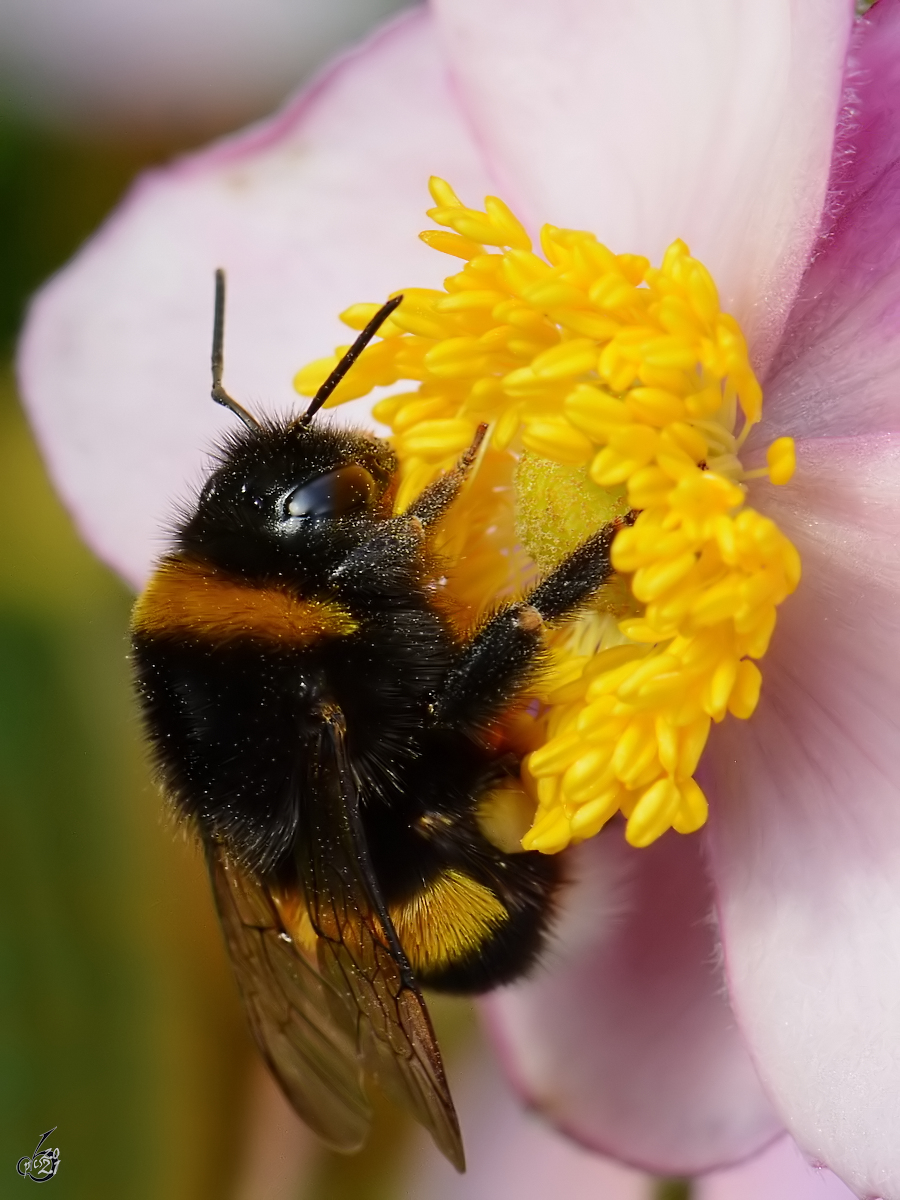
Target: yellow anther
x,y
595,412
588,819
438,439
655,406
357,316
458,357
745,693
782,460
588,775
510,228
556,756
451,243
557,439
693,809
629,388
654,812
655,580
442,193
468,299
692,740
567,361
549,834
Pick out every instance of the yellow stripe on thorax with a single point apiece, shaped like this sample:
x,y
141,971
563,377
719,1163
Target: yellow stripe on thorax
x,y
190,598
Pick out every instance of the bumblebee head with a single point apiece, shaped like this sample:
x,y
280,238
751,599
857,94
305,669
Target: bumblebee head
x,y
290,494
293,492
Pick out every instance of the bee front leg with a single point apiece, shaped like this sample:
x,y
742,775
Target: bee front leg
x,y
508,650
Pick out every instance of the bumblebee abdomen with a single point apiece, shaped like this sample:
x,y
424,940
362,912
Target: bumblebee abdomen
x,y
463,935
228,677
232,673
223,729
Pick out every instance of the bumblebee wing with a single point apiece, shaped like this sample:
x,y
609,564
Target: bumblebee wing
x,y
358,948
298,1021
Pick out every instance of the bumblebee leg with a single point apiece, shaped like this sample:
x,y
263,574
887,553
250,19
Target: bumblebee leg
x,y
577,577
438,496
507,651
389,561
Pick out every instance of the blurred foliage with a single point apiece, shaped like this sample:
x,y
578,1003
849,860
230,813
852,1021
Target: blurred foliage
x,y
119,1020
53,193
673,1189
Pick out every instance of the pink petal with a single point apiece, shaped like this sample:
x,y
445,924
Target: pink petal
x,y
624,1039
838,371
169,66
805,823
510,1153
645,122
779,1173
280,1154
312,211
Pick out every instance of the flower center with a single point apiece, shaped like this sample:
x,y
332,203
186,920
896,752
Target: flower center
x,y
611,387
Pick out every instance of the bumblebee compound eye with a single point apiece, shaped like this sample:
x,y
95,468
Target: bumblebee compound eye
x,y
346,492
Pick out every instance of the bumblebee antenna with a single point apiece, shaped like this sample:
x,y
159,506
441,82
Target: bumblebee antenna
x,y
218,357
349,359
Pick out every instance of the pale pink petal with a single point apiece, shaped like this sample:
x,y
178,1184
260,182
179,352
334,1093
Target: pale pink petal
x,y
280,1154
645,122
168,66
624,1039
805,823
510,1153
779,1173
838,370
314,210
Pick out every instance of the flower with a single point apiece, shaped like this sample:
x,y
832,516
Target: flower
x,y
765,135
509,1152
620,384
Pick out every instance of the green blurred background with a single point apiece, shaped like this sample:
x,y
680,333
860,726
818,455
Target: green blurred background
x,y
120,1023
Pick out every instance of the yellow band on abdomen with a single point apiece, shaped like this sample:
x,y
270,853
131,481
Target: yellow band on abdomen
x,y
447,922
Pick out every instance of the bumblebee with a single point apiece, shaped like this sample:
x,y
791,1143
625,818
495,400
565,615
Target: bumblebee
x,y
314,716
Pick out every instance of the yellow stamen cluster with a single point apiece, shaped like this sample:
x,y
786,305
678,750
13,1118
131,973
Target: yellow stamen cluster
x,y
632,376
